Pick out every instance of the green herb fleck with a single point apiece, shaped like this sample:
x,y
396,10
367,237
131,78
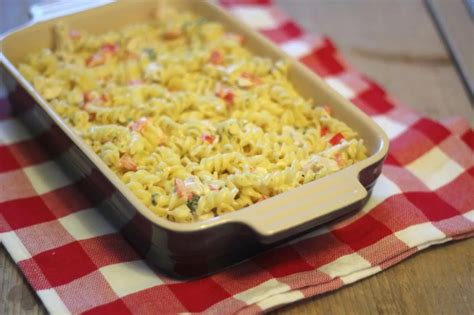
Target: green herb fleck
x,y
151,53
193,203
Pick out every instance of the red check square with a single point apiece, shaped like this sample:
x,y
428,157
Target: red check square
x,y
402,177
322,249
198,295
15,185
398,213
44,236
409,146
34,274
246,276
463,185
117,307
108,249
433,207
7,160
324,60
455,226
156,298
282,261
92,288
284,32
373,101
25,212
64,264
377,254
431,129
468,138
29,152
363,232
67,199
456,149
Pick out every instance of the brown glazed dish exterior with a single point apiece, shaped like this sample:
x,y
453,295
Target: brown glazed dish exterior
x,y
200,248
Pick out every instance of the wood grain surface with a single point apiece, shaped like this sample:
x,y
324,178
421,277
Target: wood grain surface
x,y
395,43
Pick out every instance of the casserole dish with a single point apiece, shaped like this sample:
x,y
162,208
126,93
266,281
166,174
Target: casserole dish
x,y
199,248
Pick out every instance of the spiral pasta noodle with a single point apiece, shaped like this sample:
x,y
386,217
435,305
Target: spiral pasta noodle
x,y
192,122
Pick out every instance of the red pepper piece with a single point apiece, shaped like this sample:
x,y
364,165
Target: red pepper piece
x,y
324,131
110,48
336,139
216,57
208,138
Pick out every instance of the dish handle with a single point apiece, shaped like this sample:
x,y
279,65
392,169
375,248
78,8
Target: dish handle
x,y
45,10
308,206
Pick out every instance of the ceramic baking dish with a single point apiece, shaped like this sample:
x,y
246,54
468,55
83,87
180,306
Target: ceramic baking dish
x,y
195,249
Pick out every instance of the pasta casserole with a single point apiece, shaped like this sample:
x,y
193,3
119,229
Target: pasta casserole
x,y
190,120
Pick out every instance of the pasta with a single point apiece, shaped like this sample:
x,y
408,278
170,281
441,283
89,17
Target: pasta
x,y
192,122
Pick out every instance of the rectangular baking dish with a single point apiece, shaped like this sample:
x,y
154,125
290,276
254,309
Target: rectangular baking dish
x,y
200,248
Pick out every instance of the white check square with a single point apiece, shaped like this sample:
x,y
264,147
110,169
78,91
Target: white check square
x,y
435,168
281,299
12,130
392,128
130,277
47,176
53,302
340,87
262,291
353,277
345,265
383,189
296,48
14,246
469,215
419,234
255,16
86,224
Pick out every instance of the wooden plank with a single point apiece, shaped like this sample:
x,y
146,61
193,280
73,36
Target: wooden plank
x,y
456,28
395,43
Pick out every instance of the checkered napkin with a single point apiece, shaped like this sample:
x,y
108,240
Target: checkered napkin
x,y
77,262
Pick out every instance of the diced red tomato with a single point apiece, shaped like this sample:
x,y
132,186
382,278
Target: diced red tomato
x,y
73,34
324,131
208,138
227,95
127,162
110,48
139,125
216,57
336,139
96,59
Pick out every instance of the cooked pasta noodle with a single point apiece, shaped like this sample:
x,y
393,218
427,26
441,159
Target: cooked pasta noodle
x,y
192,122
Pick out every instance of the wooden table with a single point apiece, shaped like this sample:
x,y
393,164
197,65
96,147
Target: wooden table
x,y
395,43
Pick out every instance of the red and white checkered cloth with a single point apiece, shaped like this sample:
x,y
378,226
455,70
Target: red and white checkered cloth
x,y
77,262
